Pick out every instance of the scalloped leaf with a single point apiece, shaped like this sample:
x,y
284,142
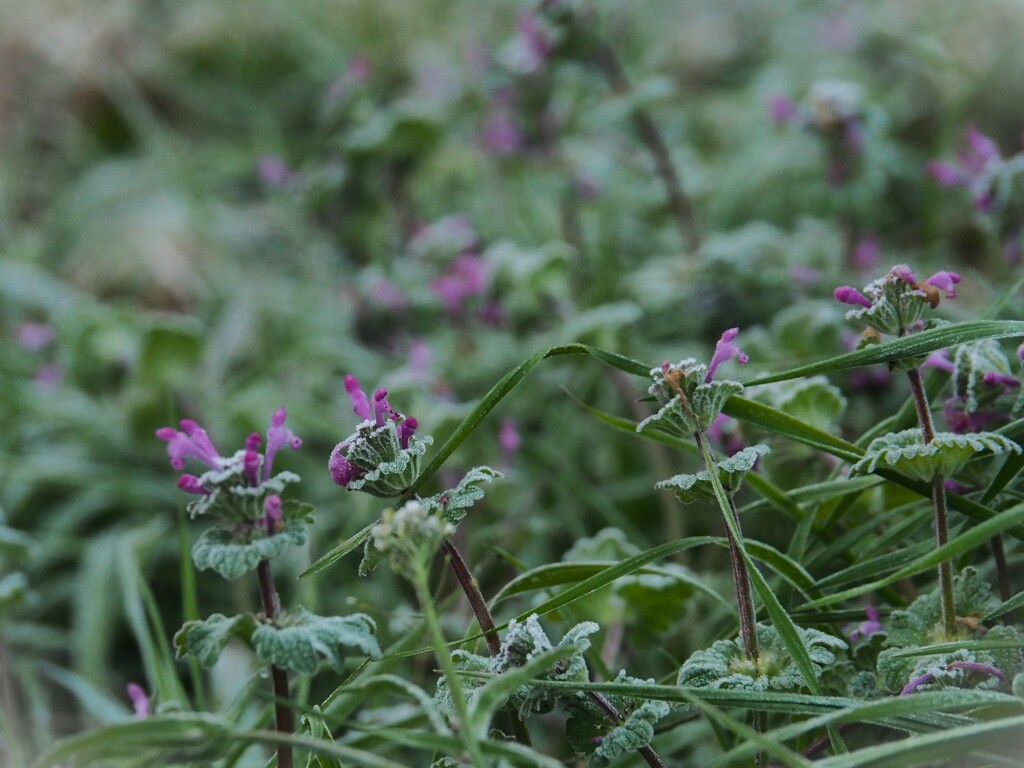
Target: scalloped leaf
x,y
207,638
946,454
725,666
300,640
456,501
226,551
635,733
731,471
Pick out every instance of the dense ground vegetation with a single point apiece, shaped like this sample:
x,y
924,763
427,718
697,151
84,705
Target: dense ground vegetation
x,y
389,287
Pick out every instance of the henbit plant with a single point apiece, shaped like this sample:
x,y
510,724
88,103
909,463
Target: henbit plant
x,y
252,525
894,305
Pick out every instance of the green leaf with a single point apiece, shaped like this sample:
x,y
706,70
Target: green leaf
x,y
300,640
945,455
909,346
731,471
232,552
207,638
455,501
497,393
958,545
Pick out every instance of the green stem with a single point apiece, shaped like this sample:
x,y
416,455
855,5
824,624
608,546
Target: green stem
x,y
421,584
283,720
190,606
924,417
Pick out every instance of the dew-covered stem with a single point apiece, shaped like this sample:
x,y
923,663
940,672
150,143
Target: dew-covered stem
x,y
471,587
283,721
924,417
421,584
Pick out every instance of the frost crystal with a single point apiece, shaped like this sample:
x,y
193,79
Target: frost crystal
x,y
946,454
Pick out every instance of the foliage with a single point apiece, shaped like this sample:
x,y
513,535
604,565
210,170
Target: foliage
x,y
211,210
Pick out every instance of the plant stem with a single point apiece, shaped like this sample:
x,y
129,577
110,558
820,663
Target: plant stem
x,y
420,582
486,621
484,618
284,722
924,417
1002,573
678,201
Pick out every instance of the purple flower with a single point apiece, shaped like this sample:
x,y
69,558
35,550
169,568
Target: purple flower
x,y
904,273
501,134
939,359
360,405
272,514
509,441
868,627
1020,353
140,699
973,169
782,109
35,336
723,432
419,358
278,435
945,281
192,484
275,172
191,442
954,487
725,349
342,470
406,430
48,377
388,294
974,666
866,253
917,682
467,276
381,407
847,294
251,461
995,379
962,421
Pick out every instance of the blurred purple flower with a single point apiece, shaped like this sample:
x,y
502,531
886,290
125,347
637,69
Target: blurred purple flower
x,y
939,359
963,421
139,698
48,377
723,432
866,253
782,109
388,294
274,172
868,627
509,441
35,336
419,358
973,169
467,276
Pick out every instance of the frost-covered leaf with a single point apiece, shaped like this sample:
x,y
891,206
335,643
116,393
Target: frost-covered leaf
x,y
724,665
455,501
813,400
234,551
970,364
946,454
921,625
731,471
207,638
635,733
300,640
